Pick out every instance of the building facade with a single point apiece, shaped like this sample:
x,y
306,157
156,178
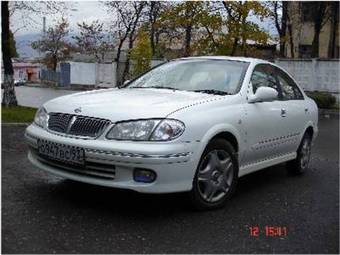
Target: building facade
x,y
301,26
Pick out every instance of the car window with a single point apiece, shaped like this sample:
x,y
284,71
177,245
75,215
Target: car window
x,y
263,76
200,74
290,91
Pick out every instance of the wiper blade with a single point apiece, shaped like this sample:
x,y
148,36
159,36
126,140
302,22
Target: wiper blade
x,y
155,87
212,91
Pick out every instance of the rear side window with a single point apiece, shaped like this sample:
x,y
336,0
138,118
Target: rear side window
x,y
289,89
263,77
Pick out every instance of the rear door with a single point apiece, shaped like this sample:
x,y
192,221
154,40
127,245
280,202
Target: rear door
x,y
295,109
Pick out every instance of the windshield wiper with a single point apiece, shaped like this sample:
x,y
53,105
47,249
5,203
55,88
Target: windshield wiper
x,y
212,91
155,87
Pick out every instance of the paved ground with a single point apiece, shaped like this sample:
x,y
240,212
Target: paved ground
x,y
35,96
44,214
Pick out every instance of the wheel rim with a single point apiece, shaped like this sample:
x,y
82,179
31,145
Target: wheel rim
x,y
305,153
215,175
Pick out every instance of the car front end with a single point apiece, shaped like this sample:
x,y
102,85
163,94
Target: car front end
x,y
98,151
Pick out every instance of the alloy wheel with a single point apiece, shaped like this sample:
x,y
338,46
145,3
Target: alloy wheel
x,y
215,175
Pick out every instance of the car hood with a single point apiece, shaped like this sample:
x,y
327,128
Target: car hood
x,y
125,104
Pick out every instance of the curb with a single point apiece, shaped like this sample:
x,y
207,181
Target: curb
x,y
15,124
329,113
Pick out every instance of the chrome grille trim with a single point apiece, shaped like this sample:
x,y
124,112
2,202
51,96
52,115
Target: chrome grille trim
x,y
77,125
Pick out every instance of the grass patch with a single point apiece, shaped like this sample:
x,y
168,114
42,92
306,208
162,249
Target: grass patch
x,y
17,114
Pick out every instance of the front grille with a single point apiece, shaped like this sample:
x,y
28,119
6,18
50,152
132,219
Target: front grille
x,y
77,125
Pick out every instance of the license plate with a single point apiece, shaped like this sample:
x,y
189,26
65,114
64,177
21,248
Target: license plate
x,y
61,152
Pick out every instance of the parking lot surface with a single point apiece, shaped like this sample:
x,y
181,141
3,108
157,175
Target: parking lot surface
x,y
46,214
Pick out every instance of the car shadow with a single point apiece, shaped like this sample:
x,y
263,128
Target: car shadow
x,y
128,203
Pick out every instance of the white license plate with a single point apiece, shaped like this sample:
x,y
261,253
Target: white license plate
x,y
61,152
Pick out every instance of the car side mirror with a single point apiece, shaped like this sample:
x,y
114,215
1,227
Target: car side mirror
x,y
126,82
263,94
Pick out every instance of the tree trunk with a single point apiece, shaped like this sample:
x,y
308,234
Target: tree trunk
x,y
283,29
188,31
316,40
9,97
152,28
233,51
55,63
332,36
290,30
127,63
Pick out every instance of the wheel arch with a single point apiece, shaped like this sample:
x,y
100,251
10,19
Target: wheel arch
x,y
227,132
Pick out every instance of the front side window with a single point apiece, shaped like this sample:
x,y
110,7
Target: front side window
x,y
195,75
290,91
263,77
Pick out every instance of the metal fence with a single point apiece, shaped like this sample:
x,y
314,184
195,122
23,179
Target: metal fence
x,y
47,75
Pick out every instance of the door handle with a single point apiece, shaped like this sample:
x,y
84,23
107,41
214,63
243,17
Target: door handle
x,y
283,112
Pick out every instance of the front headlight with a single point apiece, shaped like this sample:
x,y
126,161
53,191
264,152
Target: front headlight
x,y
41,118
145,130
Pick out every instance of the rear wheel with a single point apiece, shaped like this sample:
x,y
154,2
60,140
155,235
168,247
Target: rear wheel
x,y
300,164
216,176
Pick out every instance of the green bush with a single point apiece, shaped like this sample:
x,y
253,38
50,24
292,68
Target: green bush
x,y
323,99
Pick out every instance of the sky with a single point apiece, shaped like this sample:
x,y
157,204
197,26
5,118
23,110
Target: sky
x,y
78,11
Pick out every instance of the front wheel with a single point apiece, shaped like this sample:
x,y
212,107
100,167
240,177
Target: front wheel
x,y
300,164
216,176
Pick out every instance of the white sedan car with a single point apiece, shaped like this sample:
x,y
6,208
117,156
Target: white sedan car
x,y
192,124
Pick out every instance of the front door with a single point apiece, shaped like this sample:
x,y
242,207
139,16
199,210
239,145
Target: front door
x,y
265,121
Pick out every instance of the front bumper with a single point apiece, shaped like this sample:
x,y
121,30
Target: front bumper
x,y
112,163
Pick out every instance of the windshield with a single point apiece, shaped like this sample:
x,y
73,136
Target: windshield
x,y
195,75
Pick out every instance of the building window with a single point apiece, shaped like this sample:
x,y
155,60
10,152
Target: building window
x,y
305,51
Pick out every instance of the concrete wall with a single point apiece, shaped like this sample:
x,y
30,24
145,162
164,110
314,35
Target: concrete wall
x,y
83,73
106,75
91,74
313,74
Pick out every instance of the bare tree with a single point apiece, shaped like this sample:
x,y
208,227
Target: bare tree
x,y
54,44
129,18
154,11
278,13
25,8
92,39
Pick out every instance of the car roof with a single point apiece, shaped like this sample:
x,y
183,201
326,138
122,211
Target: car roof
x,y
243,59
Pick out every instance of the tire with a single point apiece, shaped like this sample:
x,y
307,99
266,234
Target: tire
x,y
216,176
300,164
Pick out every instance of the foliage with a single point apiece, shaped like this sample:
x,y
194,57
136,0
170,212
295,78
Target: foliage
x,y
216,27
92,39
17,114
54,45
141,54
323,99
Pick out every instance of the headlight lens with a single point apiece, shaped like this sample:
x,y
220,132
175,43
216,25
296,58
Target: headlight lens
x,y
41,118
168,130
145,130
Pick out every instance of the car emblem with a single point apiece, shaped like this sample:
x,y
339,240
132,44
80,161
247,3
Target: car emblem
x,y
77,110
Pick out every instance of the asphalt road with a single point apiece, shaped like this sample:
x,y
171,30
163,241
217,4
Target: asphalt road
x,y
45,214
36,96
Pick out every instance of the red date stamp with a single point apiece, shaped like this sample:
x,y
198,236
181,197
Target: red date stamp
x,y
271,231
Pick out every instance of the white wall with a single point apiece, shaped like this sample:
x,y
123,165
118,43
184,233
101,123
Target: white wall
x,y
321,75
106,75
83,73
93,74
